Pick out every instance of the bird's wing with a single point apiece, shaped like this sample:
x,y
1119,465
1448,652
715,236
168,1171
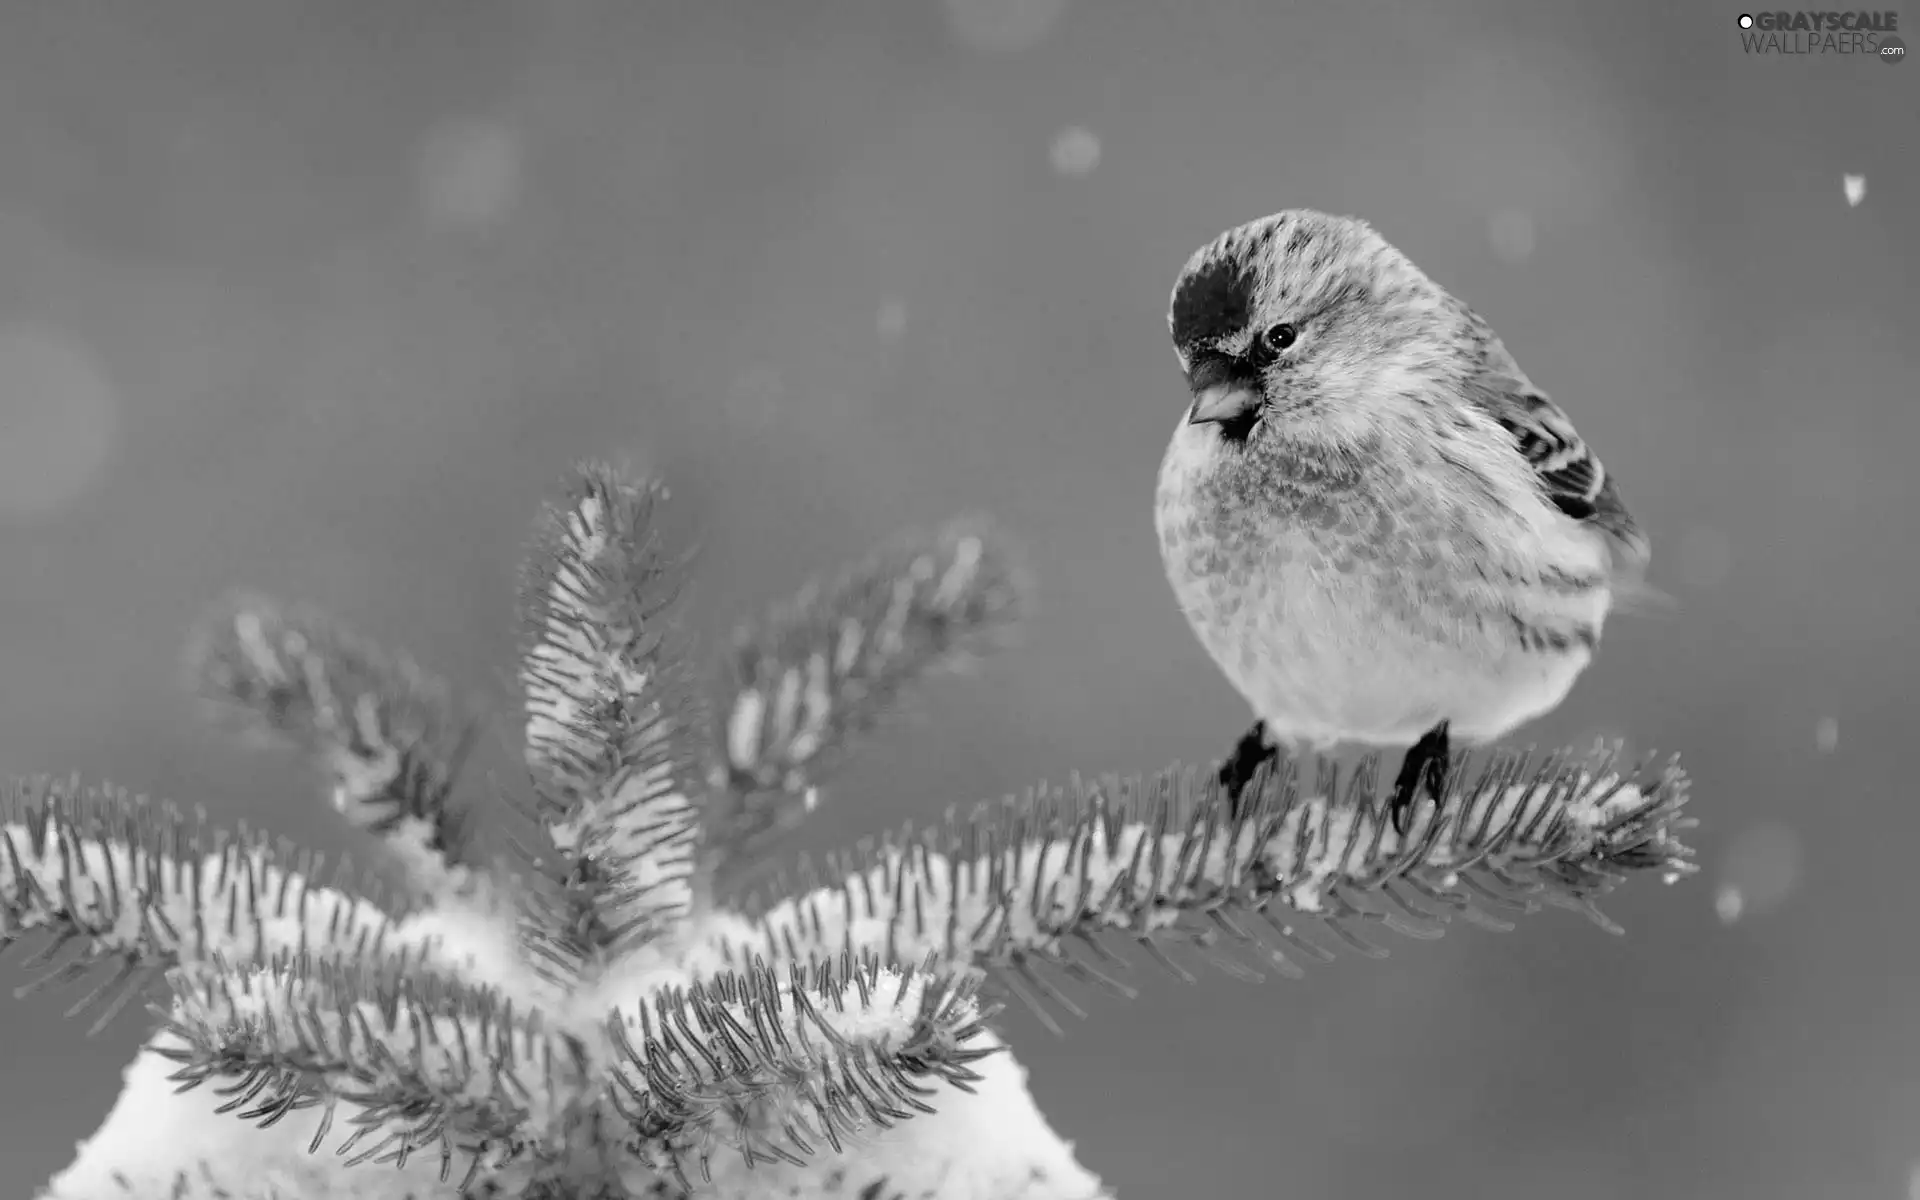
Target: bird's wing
x,y
1569,473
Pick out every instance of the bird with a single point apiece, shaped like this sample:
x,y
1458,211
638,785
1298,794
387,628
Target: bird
x,y
1380,529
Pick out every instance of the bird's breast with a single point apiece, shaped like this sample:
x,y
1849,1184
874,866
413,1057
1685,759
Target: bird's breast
x,y
1360,604
1306,560
1292,539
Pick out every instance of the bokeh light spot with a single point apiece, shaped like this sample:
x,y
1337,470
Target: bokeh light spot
x,y
1761,869
1511,232
1003,26
1728,903
1075,152
469,173
1826,735
58,416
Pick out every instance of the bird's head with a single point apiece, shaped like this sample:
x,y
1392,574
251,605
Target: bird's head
x,y
1302,323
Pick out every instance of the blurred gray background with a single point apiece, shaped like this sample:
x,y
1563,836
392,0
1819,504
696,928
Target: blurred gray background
x,y
321,298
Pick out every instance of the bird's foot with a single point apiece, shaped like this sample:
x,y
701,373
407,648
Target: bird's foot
x,y
1249,754
1425,766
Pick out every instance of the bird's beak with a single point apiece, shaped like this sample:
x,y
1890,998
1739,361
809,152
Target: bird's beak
x,y
1217,396
1220,403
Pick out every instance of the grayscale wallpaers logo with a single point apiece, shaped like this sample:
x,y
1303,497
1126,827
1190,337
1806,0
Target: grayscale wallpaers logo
x,y
1867,34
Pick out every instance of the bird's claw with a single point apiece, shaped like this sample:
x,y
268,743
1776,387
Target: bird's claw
x,y
1250,753
1425,767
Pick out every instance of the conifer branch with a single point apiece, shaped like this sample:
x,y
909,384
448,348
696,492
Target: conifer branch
x,y
388,735
679,1049
133,889
832,661
990,1142
1172,860
400,1063
409,1065
780,1069
609,708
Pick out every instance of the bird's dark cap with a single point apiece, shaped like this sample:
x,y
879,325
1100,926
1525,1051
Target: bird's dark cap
x,y
1214,301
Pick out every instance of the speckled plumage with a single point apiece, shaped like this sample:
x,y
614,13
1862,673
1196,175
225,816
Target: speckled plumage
x,y
1395,529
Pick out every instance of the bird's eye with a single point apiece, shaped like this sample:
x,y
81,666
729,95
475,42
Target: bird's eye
x,y
1280,337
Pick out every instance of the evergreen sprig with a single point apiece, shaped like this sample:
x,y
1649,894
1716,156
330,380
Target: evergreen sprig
x,y
609,711
132,889
422,1066
389,734
1174,859
832,661
778,1068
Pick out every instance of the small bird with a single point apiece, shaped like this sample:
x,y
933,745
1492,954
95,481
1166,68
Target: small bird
x,y
1377,525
